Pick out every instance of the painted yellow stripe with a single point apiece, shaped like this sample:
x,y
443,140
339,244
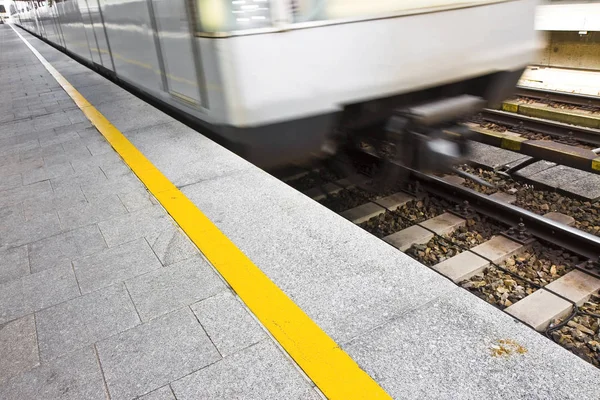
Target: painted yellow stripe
x,y
334,372
512,143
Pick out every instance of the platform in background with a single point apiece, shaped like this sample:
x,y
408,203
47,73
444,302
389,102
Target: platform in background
x,y
563,80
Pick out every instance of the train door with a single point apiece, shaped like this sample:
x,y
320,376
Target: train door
x,y
99,33
54,16
177,49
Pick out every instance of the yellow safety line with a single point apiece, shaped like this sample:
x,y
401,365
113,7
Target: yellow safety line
x,y
333,371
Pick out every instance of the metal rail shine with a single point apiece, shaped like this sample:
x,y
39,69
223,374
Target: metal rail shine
x,y
561,97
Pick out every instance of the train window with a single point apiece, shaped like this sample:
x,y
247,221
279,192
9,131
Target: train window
x,y
315,10
2,9
216,16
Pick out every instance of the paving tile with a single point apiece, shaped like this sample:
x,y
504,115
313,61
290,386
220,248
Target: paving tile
x,y
45,173
12,214
76,148
14,263
125,115
167,289
93,177
18,348
539,309
258,372
228,323
153,354
8,159
58,138
172,245
20,231
92,212
116,170
78,127
122,184
65,247
99,147
576,286
10,182
15,149
83,164
90,133
135,201
65,198
38,153
364,270
443,350
84,320
149,222
115,264
170,145
49,287
164,393
21,193
63,157
20,167
37,291
75,376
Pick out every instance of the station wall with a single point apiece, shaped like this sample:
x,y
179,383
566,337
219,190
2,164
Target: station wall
x,y
566,49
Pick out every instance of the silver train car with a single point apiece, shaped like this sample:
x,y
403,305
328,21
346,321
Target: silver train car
x,y
280,79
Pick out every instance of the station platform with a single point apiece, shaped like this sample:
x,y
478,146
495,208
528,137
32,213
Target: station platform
x,y
562,80
116,283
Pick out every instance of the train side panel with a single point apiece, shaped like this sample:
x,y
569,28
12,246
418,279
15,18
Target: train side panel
x,y
298,73
89,31
176,49
74,33
97,21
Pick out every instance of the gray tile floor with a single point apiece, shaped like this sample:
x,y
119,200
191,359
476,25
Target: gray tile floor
x,y
100,292
150,330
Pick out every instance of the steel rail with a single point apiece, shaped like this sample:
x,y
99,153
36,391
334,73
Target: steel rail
x,y
562,235
569,238
543,126
561,97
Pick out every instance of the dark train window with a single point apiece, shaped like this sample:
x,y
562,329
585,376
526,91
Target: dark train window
x,y
2,9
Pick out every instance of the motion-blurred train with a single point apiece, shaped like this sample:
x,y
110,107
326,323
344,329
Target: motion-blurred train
x,y
285,80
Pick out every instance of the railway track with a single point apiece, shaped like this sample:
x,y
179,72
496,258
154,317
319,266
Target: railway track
x,y
559,97
531,252
576,135
537,268
566,132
